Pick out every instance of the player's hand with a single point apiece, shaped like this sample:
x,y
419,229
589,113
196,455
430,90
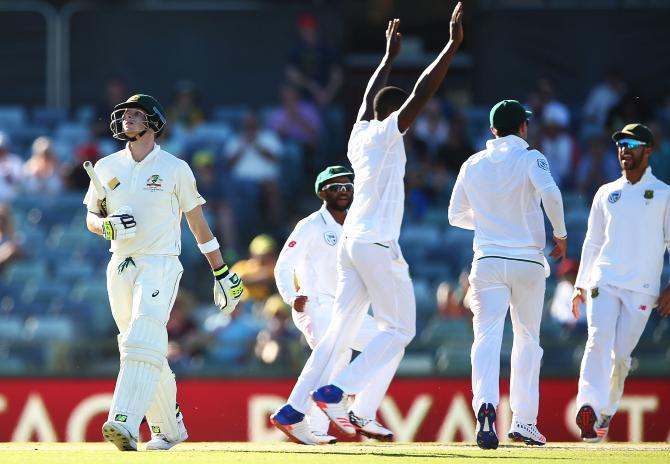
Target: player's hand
x,y
393,38
299,303
228,288
558,252
664,302
456,24
120,225
577,299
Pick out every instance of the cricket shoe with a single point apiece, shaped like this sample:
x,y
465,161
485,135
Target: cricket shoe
x,y
294,425
333,402
586,420
370,428
486,431
160,442
527,433
603,426
324,438
117,433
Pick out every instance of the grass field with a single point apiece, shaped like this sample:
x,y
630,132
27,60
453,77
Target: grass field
x,y
368,453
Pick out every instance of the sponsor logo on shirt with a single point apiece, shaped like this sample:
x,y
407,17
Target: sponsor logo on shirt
x,y
614,196
154,183
330,237
543,164
643,307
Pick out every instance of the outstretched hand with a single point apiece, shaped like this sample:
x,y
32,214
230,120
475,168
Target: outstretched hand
x,y
393,38
456,24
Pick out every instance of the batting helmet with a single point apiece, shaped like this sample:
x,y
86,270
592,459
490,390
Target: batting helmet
x,y
155,116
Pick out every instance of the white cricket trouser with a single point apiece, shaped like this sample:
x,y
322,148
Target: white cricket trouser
x,y
367,274
313,322
616,319
498,283
137,292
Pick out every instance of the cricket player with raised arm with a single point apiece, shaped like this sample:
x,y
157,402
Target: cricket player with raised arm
x,y
370,267
147,190
497,194
619,277
306,276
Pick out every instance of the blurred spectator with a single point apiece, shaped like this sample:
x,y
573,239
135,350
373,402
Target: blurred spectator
x,y
42,173
253,157
561,303
313,65
598,166
660,158
257,272
74,174
115,92
184,111
458,147
538,100
631,107
600,101
214,191
297,121
11,170
187,342
450,302
233,337
431,132
279,343
10,248
556,143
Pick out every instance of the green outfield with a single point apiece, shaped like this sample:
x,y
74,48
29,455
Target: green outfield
x,y
368,453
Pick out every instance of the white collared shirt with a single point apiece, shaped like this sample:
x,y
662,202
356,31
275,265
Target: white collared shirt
x,y
310,254
377,155
497,194
158,189
628,233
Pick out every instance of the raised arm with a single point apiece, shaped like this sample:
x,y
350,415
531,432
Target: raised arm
x,y
433,75
381,74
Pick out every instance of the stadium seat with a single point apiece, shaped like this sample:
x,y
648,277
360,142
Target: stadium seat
x,y
24,271
229,114
49,328
11,328
48,117
12,117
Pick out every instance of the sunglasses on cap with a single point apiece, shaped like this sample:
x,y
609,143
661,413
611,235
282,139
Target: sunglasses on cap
x,y
631,144
348,187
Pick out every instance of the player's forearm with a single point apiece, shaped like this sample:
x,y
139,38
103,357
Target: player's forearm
x,y
94,223
465,219
552,201
375,84
589,254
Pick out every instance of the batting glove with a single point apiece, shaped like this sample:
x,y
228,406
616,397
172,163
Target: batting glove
x,y
120,225
228,288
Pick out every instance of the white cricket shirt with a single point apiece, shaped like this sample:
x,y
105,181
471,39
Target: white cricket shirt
x,y
311,253
628,233
377,155
498,194
158,189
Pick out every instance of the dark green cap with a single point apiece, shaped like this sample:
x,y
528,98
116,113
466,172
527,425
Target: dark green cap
x,y
508,115
635,131
329,173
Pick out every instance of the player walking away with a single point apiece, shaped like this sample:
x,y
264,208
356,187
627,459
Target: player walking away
x,y
371,268
619,277
497,194
148,189
309,258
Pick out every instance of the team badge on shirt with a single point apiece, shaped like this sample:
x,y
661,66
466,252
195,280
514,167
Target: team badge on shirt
x,y
543,164
594,292
648,194
614,196
330,238
154,183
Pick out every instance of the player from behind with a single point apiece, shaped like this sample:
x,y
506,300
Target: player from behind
x,y
619,276
497,194
306,276
148,189
371,269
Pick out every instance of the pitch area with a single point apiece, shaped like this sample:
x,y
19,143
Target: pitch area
x,y
368,453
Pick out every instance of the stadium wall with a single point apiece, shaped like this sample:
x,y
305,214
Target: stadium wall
x,y
422,410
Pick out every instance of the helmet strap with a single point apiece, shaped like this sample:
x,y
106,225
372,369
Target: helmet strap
x,y
134,139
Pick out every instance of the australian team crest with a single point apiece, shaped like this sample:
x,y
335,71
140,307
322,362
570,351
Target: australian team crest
x,y
330,237
154,183
614,196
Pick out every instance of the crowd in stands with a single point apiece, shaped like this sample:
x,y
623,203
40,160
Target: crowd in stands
x,y
255,168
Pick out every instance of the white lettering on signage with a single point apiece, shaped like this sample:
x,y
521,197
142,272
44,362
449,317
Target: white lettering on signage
x,y
83,413
405,429
260,407
503,418
35,421
636,406
3,404
459,419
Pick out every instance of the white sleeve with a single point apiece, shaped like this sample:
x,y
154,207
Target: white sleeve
x,y
552,201
294,251
389,127
539,172
186,188
595,238
460,211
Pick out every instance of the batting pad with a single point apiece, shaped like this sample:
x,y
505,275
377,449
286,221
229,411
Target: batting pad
x,y
161,414
145,340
